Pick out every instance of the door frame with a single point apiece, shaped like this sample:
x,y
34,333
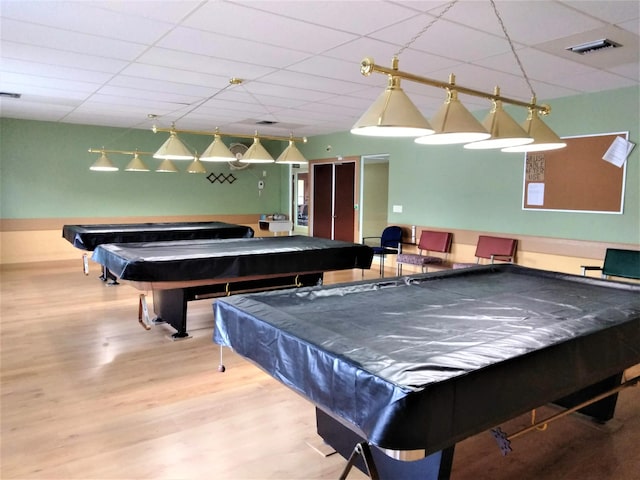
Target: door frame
x,y
356,188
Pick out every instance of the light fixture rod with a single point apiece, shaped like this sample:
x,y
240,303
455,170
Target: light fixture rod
x,y
237,135
368,66
124,152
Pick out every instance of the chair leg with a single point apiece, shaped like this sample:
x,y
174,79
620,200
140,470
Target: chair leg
x,y
382,266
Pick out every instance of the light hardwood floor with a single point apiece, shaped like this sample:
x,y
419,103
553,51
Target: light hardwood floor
x,y
86,393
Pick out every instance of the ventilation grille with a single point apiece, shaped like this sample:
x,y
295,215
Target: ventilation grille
x,y
593,46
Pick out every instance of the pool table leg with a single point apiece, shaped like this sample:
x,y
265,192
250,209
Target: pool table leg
x,y
602,410
170,306
436,466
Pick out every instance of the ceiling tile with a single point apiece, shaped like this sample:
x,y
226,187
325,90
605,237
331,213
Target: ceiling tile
x,y
221,46
266,27
181,60
49,56
31,34
339,15
84,17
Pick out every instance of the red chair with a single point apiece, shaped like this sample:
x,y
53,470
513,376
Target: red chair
x,y
430,242
493,249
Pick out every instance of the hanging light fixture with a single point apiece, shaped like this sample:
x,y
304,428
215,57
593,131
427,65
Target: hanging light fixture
x,y
103,164
166,166
173,148
217,151
136,164
392,114
543,137
291,155
504,130
196,166
453,123
256,153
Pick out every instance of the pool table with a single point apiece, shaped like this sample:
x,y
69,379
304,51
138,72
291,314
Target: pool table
x,y
418,363
180,271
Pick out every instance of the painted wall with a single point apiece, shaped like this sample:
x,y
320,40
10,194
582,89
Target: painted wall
x,y
375,194
449,187
45,173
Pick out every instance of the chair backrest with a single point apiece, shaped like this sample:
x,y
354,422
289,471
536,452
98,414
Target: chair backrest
x,y
489,246
622,263
432,241
391,237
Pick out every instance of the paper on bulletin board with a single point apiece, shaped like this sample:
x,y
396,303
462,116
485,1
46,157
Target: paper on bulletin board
x,y
618,152
535,194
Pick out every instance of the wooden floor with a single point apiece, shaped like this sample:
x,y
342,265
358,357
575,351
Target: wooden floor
x,y
86,393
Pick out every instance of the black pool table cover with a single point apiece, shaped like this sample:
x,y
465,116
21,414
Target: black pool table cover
x,y
424,361
229,258
88,237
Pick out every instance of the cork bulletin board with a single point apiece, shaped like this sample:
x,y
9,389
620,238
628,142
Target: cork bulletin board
x,y
575,178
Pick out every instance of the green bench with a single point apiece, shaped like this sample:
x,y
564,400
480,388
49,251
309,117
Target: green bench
x,y
618,263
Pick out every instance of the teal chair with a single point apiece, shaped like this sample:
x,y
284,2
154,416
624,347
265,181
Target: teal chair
x,y
618,263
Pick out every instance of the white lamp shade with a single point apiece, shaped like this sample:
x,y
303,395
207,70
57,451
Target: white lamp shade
x,y
173,149
454,124
291,155
256,154
392,115
136,165
196,167
166,166
103,164
504,130
217,151
543,137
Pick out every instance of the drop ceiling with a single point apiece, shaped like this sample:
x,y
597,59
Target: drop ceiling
x,y
135,63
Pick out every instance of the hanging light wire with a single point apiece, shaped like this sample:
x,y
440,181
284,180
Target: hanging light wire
x,y
513,50
425,28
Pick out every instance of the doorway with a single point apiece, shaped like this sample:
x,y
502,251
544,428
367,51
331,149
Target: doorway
x,y
334,200
300,188
374,195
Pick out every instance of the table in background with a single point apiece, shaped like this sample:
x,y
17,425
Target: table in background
x,y
181,271
422,362
276,226
88,237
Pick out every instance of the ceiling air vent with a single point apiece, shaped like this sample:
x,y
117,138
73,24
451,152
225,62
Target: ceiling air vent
x,y
265,122
593,46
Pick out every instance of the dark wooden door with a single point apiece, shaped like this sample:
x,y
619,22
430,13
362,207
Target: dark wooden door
x,y
323,200
333,200
345,176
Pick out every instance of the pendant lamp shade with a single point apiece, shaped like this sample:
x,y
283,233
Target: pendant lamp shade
x,y
173,149
504,130
392,115
196,166
256,153
291,155
217,151
543,137
454,124
103,164
136,164
167,166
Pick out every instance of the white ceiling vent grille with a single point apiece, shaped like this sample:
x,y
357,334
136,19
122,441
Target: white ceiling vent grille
x,y
593,46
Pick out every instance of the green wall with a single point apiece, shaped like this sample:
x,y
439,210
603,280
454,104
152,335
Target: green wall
x,y
450,187
45,174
